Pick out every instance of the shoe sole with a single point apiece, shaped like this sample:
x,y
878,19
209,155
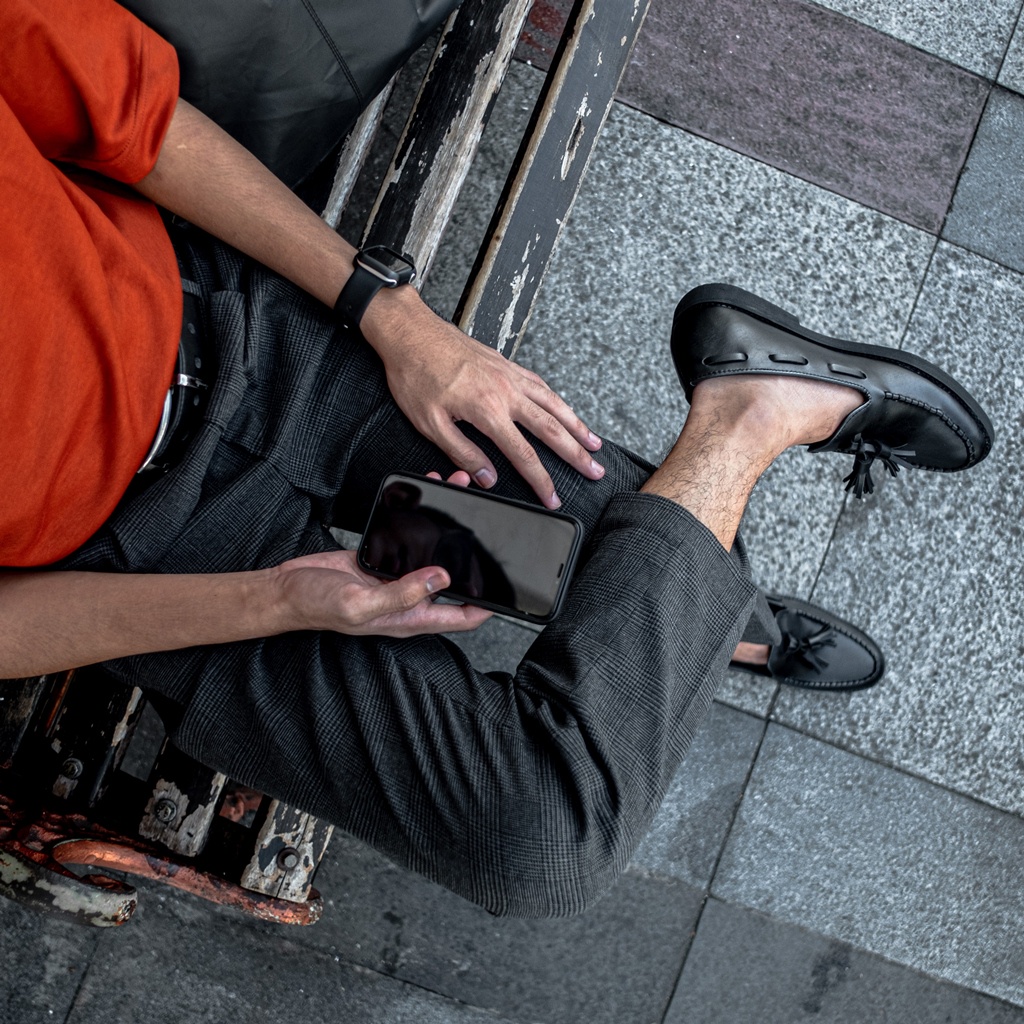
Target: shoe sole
x,y
753,305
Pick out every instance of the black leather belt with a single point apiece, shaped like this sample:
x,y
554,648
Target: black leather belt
x,y
188,394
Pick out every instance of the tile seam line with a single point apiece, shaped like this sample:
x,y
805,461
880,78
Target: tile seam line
x,y
629,105
993,85
499,1016
874,954
994,260
906,772
1009,43
916,46
721,850
73,1005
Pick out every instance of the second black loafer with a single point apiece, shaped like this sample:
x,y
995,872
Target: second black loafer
x,y
818,650
914,414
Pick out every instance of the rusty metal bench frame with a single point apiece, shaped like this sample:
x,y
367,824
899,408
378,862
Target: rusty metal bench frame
x,y
65,803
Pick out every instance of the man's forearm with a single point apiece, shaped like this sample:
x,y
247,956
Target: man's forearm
x,y
50,621
209,179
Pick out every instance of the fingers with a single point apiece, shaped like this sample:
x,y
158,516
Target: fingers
x,y
553,403
399,596
401,608
525,461
546,426
460,477
454,443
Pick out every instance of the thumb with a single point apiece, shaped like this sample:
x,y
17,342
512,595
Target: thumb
x,y
402,594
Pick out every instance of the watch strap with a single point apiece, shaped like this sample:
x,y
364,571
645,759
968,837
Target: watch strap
x,y
359,289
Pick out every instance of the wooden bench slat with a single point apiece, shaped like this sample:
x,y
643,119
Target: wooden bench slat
x,y
548,170
443,130
353,156
288,850
182,803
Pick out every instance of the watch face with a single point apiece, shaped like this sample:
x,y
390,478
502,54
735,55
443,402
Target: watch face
x,y
393,268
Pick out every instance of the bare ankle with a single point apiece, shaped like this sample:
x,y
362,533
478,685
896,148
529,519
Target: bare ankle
x,y
777,412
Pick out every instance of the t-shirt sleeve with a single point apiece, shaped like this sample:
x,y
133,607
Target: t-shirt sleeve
x,y
89,82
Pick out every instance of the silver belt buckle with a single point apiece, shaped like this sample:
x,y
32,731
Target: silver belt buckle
x,y
161,433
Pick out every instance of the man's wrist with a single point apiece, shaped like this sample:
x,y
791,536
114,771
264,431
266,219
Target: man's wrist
x,y
390,316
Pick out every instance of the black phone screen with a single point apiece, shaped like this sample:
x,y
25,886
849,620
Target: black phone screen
x,y
499,553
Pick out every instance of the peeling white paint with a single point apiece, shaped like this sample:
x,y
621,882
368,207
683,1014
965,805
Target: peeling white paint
x,y
518,284
64,787
12,870
573,142
121,729
187,832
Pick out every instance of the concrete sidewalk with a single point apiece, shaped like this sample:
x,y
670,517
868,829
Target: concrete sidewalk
x,y
823,858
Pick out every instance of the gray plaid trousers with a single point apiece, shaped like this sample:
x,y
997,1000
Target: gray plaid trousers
x,y
526,794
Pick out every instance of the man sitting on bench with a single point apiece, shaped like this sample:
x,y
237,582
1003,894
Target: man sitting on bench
x,y
211,580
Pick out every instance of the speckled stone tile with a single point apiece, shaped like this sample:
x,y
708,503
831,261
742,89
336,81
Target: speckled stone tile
x,y
44,960
987,215
869,856
745,968
497,646
661,212
815,93
615,964
687,835
1012,73
931,567
971,33
181,962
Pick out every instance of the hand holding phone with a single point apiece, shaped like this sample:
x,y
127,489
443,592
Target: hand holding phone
x,y
329,591
500,554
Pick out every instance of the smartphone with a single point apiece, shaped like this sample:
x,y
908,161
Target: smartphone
x,y
502,554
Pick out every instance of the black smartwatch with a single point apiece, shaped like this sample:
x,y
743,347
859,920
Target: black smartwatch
x,y
376,267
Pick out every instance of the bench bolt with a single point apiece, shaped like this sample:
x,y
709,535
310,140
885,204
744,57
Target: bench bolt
x,y
288,858
72,768
165,811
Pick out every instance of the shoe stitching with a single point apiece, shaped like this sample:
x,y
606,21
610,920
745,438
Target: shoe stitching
x,y
802,334
837,626
905,399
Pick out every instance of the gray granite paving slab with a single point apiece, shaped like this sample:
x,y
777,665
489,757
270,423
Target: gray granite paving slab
x,y
497,646
1012,73
615,964
44,959
808,90
987,215
661,212
895,865
689,831
747,693
971,33
932,568
180,962
745,968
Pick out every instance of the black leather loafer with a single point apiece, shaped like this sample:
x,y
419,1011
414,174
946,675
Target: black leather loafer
x,y
818,650
914,414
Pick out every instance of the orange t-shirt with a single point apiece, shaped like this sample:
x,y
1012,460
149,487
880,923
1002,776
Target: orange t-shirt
x,y
90,296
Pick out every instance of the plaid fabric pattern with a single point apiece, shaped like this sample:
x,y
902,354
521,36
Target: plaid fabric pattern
x,y
526,794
